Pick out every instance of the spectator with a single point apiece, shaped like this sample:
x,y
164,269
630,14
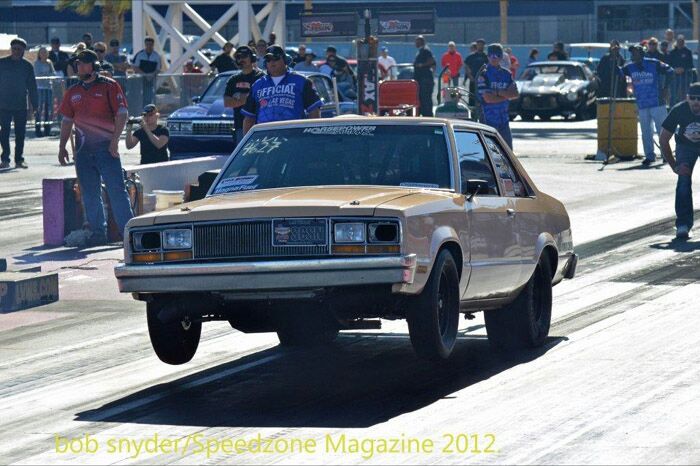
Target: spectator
x,y
453,60
251,44
301,52
17,81
44,70
347,86
558,50
505,60
147,63
681,60
663,48
191,67
612,84
261,49
684,121
645,74
669,37
534,53
307,64
152,136
225,62
118,60
87,40
271,39
387,65
496,88
73,68
653,50
514,62
238,86
553,56
97,107
100,48
423,66
472,47
286,94
474,62
59,58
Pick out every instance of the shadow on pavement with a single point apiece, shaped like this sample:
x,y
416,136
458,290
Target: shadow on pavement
x,y
678,246
41,254
360,381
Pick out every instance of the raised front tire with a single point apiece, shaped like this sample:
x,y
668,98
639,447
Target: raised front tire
x,y
433,316
524,323
173,335
306,325
527,116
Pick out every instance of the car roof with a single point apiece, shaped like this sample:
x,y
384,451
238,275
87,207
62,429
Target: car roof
x,y
303,73
362,119
557,62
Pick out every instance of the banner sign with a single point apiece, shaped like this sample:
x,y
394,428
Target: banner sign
x,y
329,25
406,22
367,76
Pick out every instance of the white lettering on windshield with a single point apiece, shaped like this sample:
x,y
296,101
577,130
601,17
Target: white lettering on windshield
x,y
353,130
263,146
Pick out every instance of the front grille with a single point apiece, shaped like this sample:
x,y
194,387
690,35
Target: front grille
x,y
540,102
212,127
245,239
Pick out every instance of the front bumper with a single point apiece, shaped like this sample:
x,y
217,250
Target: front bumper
x,y
261,276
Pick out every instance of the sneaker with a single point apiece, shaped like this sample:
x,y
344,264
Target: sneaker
x,y
21,165
646,163
682,232
4,165
96,240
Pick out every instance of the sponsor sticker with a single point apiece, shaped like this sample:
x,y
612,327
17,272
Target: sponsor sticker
x,y
353,130
419,185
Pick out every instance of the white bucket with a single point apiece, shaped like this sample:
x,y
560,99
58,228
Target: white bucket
x,y
166,199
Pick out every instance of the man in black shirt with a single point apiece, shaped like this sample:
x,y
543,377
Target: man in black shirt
x,y
473,64
612,84
152,136
423,66
558,51
681,60
238,86
684,121
653,50
58,58
224,61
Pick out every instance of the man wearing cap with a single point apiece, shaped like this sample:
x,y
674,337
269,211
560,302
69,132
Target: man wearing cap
x,y
58,57
224,61
473,64
117,59
307,64
453,60
646,74
238,86
496,88
684,121
612,84
386,65
281,94
97,107
17,81
152,136
423,66
147,64
87,40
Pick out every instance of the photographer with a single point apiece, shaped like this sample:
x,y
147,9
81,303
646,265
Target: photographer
x,y
152,136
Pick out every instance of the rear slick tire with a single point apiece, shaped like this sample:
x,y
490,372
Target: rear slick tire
x,y
524,323
433,316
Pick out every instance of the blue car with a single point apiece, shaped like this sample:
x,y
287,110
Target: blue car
x,y
206,127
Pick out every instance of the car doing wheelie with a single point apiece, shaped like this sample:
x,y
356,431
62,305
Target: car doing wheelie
x,y
317,226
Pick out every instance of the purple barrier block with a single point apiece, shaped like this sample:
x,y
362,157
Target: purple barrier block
x,y
52,198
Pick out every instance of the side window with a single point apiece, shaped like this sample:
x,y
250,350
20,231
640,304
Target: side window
x,y
511,183
322,88
473,162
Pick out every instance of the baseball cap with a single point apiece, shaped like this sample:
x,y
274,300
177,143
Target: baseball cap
x,y
243,50
636,47
18,41
274,51
385,49
495,50
310,52
694,90
114,43
55,40
86,56
149,108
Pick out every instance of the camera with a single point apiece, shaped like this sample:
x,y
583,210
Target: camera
x,y
134,121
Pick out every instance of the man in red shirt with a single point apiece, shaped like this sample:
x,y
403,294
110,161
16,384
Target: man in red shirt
x,y
453,60
97,107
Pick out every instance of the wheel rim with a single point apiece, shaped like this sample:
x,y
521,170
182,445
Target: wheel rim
x,y
444,300
186,323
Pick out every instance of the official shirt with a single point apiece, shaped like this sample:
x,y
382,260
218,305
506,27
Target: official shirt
x,y
493,78
685,124
290,99
93,107
646,80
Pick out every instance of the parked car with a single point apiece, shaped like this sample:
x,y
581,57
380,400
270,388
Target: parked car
x,y
206,127
550,88
314,226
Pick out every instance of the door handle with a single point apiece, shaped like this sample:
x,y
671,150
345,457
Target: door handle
x,y
510,212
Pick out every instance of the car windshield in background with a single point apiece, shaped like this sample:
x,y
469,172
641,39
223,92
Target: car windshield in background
x,y
215,90
388,155
569,71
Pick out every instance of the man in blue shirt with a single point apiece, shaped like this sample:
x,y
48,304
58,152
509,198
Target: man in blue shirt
x,y
646,76
281,94
496,87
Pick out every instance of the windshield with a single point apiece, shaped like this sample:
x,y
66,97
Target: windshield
x,y
569,71
400,155
215,90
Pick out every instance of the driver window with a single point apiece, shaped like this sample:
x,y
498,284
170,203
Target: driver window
x,y
319,84
473,162
511,182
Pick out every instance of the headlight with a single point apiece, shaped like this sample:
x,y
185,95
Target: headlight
x,y
177,239
572,96
349,232
383,233
186,127
173,126
146,240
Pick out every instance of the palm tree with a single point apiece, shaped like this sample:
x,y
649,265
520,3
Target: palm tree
x,y
112,14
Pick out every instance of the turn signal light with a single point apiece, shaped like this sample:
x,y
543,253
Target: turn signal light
x,y
348,249
177,255
144,257
388,249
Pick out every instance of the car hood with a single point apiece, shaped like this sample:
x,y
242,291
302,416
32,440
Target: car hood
x,y
214,110
314,201
549,84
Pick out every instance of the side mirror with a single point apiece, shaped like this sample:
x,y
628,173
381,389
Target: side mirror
x,y
196,99
473,187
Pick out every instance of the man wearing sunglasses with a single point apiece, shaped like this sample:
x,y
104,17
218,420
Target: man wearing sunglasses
x,y
238,86
684,121
496,87
280,95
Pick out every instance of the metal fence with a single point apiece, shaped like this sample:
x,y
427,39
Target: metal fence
x,y
168,91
